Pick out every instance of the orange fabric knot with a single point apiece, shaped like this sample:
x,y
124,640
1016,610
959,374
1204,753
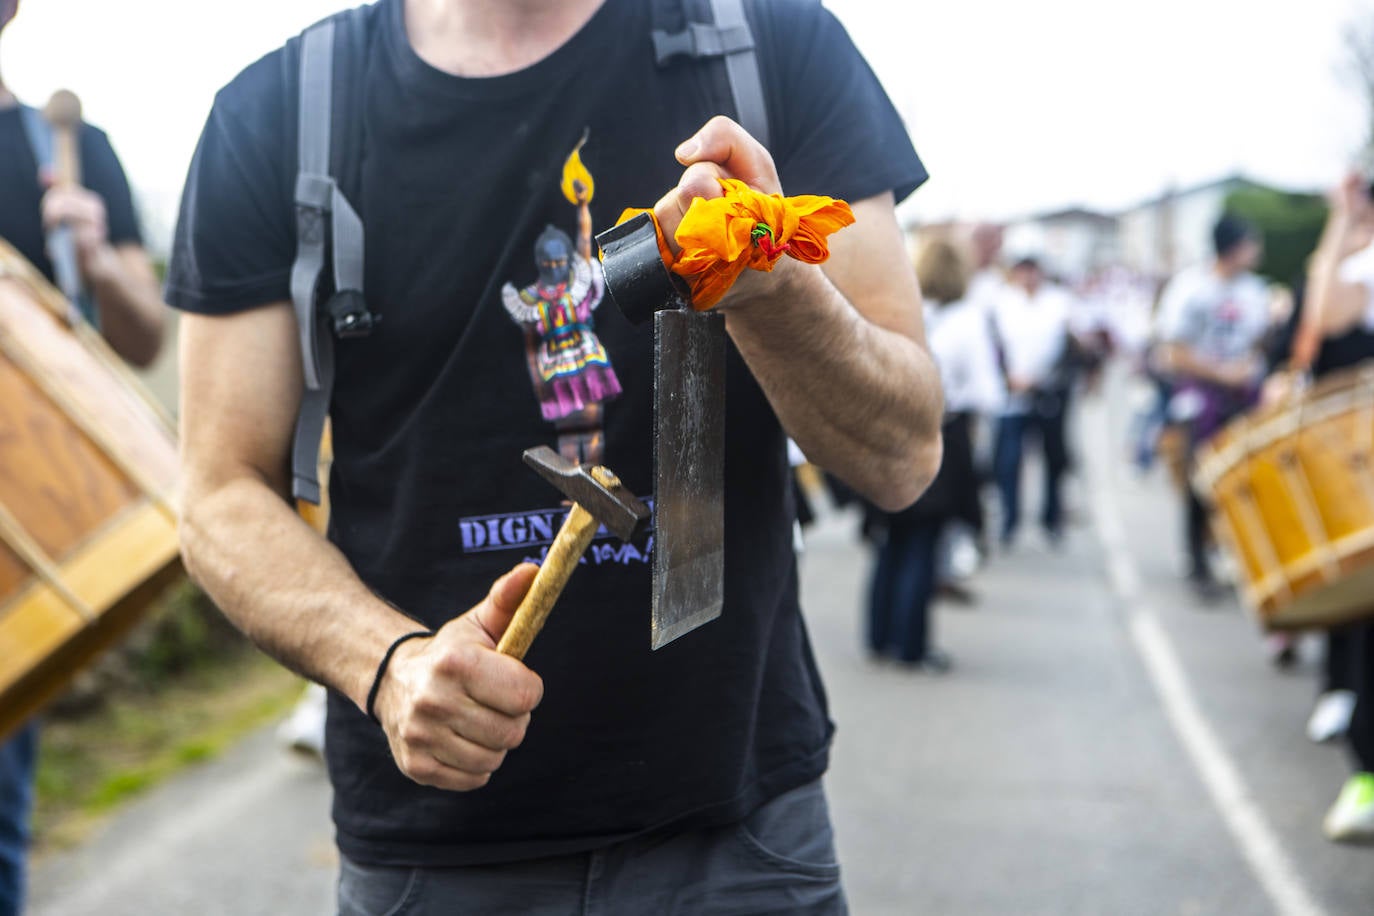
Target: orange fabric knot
x,y
745,228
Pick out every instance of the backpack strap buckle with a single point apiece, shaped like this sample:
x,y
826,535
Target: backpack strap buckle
x,y
349,313
701,39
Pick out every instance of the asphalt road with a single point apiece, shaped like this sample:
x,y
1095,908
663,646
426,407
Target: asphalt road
x,y
1103,746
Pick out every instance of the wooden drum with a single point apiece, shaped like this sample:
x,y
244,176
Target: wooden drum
x,y
88,465
1292,490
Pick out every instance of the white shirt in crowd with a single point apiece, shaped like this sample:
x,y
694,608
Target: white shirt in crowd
x,y
1359,269
1217,318
1033,332
984,287
961,342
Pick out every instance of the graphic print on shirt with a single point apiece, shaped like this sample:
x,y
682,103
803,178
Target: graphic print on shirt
x,y
569,369
570,372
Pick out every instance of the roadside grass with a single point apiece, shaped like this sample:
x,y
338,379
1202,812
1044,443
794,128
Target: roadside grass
x,y
92,764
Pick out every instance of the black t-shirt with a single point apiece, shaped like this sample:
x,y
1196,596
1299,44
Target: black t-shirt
x,y
21,191
431,502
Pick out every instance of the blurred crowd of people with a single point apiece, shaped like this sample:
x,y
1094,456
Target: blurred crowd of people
x,y
1014,344
1017,346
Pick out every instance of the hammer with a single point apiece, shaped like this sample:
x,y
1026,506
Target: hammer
x,y
598,498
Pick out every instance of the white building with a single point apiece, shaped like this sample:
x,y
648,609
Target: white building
x,y
1071,243
1152,240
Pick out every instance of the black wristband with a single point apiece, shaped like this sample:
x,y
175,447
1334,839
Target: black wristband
x,y
381,670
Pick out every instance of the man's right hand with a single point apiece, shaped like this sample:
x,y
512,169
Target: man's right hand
x,y
451,705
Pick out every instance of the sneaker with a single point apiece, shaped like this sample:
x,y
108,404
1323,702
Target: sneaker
x,y
935,661
1283,651
303,730
1331,716
956,593
1351,818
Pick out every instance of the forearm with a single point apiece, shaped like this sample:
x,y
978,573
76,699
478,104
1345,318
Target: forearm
x,y
288,589
1182,360
860,400
128,302
1320,317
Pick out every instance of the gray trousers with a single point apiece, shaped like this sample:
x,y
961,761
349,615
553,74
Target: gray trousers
x,y
781,859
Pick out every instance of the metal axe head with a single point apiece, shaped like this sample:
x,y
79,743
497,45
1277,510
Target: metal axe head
x,y
595,489
689,429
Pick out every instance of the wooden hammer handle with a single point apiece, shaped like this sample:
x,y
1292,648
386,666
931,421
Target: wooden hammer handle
x,y
572,541
63,113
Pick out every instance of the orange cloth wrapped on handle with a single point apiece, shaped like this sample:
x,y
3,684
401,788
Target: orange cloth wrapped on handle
x,y
745,228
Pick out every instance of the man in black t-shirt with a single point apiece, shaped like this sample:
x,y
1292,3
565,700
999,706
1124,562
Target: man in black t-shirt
x,y
128,309
686,778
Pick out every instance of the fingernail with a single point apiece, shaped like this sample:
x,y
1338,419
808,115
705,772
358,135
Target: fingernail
x,y
689,148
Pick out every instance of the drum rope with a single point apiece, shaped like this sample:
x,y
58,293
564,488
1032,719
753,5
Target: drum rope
x,y
14,536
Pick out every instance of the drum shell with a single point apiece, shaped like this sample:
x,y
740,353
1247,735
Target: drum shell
x,y
88,466
1292,492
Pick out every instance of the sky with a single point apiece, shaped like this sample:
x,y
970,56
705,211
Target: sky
x,y
1015,106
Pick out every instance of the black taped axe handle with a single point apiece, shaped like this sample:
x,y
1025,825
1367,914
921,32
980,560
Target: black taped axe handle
x,y
636,277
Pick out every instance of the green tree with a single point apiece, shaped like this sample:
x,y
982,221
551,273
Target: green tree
x,y
1290,223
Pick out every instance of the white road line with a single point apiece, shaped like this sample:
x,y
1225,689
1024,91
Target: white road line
x,y
1234,801
1232,797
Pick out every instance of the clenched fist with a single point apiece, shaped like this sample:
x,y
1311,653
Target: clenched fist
x,y
451,705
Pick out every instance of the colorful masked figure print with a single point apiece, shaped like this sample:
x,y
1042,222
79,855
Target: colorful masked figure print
x,y
573,369
569,370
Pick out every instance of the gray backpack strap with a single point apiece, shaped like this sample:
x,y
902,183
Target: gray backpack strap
x,y
60,244
742,66
327,229
727,36
39,134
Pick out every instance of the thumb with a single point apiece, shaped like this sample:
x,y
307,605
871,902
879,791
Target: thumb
x,y
493,614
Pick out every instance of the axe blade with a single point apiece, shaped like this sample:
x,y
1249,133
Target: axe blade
x,y
689,467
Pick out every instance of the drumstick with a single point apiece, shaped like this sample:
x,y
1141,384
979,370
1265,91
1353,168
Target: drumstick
x,y
63,113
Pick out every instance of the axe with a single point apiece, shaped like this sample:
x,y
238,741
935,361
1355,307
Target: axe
x,y
689,429
598,498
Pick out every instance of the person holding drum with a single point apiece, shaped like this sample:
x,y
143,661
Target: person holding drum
x,y
1337,331
1211,328
124,301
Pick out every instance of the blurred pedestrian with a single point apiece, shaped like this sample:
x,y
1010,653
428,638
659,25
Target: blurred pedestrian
x,y
905,573
1030,326
987,280
1212,323
123,301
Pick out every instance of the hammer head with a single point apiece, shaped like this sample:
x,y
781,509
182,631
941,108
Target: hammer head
x,y
63,109
595,489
